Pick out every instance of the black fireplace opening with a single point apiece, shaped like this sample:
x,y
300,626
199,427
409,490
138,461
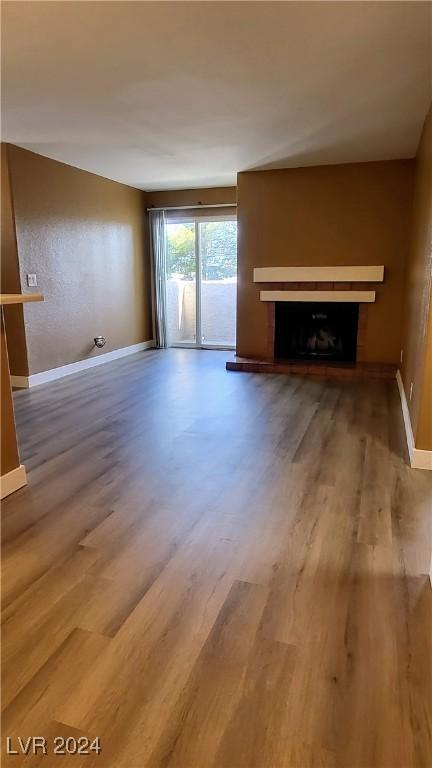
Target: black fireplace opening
x,y
316,331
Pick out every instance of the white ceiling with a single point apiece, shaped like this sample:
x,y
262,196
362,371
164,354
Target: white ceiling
x,y
166,95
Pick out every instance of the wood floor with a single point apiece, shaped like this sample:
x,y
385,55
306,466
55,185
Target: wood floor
x,y
214,569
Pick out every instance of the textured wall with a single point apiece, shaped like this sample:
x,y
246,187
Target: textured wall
x,y
355,214
84,238
417,337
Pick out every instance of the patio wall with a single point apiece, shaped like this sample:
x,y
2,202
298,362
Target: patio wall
x,y
218,311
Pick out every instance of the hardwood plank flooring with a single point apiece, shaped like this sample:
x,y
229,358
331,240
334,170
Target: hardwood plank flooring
x,y
217,570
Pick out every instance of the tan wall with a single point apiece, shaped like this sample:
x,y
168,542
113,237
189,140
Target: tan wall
x,y
417,336
10,276
356,214
84,238
204,196
423,434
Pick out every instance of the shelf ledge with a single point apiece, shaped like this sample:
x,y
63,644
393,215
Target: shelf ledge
x,y
19,298
319,274
336,296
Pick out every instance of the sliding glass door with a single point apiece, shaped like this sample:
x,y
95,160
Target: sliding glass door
x,y
181,293
201,282
218,254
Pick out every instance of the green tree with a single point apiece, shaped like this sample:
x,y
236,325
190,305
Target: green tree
x,y
181,250
218,248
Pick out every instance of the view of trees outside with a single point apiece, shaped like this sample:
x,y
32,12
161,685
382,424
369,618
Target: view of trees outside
x,y
218,248
181,251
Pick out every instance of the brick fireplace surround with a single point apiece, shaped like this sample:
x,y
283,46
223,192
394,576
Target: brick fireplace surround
x,y
269,364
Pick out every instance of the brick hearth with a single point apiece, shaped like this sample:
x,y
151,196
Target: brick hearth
x,y
270,365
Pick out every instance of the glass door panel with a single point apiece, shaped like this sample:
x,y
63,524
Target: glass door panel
x,y
218,273
201,283
181,285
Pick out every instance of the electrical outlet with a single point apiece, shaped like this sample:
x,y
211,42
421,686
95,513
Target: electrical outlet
x,y
411,390
401,356
32,281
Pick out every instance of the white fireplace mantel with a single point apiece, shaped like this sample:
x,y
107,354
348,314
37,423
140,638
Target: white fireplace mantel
x,y
360,274
338,296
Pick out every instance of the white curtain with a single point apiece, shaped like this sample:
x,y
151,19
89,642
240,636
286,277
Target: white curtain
x,y
158,265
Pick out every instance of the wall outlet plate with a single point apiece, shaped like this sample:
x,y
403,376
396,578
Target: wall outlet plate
x,y
32,281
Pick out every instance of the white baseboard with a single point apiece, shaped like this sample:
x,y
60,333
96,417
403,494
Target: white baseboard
x,y
12,481
419,459
26,382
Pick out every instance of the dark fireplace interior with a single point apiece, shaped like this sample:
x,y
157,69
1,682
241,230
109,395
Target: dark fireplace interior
x,y
316,331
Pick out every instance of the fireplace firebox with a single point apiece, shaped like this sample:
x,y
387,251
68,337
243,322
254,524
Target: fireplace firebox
x,y
316,331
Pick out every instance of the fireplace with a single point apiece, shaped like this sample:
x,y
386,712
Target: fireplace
x,y
316,331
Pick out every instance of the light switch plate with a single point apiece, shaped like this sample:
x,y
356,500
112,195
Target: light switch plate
x,y
32,281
